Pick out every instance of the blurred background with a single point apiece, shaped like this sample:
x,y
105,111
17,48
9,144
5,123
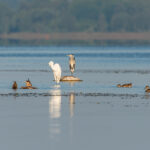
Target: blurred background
x,y
74,22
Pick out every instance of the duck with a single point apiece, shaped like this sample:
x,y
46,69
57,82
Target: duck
x,y
15,86
28,85
127,85
147,89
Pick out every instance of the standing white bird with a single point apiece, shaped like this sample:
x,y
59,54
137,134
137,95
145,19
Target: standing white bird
x,y
72,63
56,71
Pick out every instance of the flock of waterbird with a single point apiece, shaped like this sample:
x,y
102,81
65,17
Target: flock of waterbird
x,y
129,85
56,68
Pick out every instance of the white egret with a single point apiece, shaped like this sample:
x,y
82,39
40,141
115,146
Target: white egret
x,y
56,71
72,63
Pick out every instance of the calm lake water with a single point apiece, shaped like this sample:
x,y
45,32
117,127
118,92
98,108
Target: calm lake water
x,y
93,114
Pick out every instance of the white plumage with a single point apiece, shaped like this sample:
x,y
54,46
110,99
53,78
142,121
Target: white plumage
x,y
56,71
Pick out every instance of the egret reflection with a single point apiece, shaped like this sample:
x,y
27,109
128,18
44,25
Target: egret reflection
x,y
55,112
55,103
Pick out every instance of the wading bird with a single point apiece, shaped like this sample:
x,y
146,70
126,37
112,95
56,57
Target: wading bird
x,y
72,63
56,71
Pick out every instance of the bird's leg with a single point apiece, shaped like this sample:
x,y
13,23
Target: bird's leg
x,y
54,78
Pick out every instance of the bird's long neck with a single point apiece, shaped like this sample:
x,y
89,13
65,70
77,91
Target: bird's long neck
x,y
71,58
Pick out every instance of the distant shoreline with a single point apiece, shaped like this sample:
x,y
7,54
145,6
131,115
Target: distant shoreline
x,y
145,36
76,38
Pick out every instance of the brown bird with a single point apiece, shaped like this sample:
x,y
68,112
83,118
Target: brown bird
x,y
147,89
15,86
28,85
128,85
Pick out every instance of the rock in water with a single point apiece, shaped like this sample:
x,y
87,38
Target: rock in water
x,y
69,78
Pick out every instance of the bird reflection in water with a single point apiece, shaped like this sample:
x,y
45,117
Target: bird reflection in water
x,y
55,104
71,103
55,113
72,83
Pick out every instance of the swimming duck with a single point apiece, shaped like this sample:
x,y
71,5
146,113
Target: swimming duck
x,y
147,89
28,85
15,86
128,85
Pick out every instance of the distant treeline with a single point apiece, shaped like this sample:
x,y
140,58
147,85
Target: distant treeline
x,y
48,16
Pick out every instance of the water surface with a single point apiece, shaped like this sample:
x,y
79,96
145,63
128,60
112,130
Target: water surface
x,y
93,114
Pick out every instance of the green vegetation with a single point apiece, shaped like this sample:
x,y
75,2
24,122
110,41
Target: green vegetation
x,y
46,16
